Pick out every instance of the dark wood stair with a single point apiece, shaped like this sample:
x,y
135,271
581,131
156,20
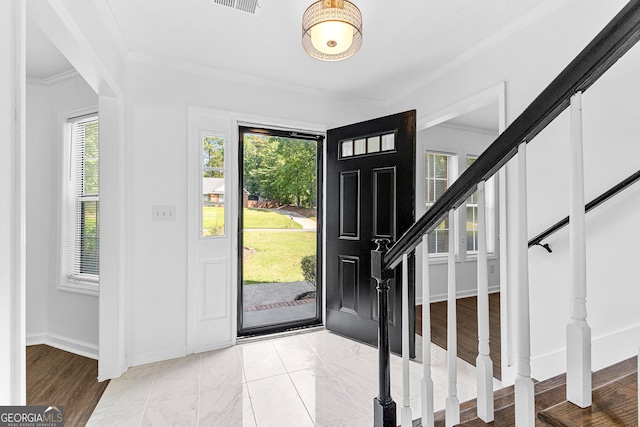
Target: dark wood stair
x,y
615,402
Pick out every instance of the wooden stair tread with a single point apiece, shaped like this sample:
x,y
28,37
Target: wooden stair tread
x,y
504,416
614,404
610,373
468,410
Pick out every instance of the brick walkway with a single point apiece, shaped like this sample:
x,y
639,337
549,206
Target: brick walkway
x,y
280,304
263,294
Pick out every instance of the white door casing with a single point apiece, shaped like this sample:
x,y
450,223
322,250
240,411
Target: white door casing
x,y
212,263
494,94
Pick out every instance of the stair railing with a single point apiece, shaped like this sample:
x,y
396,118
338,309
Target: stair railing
x,y
601,53
537,241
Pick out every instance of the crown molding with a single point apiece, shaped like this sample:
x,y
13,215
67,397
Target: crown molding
x,y
490,41
36,81
467,128
112,25
57,78
171,63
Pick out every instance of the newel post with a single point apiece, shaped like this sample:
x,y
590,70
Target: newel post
x,y
384,408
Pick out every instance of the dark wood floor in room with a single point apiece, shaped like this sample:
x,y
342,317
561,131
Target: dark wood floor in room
x,y
57,377
467,328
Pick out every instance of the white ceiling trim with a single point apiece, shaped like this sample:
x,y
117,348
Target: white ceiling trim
x,y
495,38
65,75
171,63
466,128
36,81
495,93
113,26
57,23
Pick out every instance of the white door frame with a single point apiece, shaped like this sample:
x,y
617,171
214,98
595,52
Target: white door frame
x,y
235,119
485,97
59,25
13,195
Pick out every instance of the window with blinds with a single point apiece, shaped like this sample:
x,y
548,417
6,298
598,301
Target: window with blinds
x,y
441,170
83,249
472,216
438,179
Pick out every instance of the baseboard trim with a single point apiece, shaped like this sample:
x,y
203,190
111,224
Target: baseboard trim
x,y
158,355
81,348
459,294
605,351
36,338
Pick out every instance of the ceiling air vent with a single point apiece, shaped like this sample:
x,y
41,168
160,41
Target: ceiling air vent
x,y
250,6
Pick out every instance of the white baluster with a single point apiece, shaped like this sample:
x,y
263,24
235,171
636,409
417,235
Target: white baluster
x,y
406,392
578,331
484,365
452,410
427,382
524,390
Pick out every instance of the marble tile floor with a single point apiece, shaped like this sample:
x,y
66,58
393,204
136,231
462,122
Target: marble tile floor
x,y
308,379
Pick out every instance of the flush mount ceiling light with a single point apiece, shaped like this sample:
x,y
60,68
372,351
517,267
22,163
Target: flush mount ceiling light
x,y
332,30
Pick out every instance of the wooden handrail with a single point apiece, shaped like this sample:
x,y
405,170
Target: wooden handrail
x,y
605,49
592,204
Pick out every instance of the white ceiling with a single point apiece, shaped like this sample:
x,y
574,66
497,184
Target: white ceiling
x,y
483,119
405,41
44,60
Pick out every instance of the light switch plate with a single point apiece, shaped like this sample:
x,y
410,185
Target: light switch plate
x,y
163,213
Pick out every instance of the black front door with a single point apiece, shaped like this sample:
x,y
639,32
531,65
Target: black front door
x,y
370,194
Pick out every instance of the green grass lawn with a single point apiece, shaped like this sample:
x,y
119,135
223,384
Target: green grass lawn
x,y
213,220
260,218
277,255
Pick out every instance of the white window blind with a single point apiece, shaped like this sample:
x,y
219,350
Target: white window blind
x,y
472,216
83,212
438,178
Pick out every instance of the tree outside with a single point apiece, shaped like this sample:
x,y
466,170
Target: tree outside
x,y
87,205
213,156
280,169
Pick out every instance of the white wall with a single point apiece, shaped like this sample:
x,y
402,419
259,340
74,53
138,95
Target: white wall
x,y
458,141
39,207
528,61
156,129
611,153
58,317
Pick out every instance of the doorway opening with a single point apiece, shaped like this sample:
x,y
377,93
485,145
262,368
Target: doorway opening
x,y
448,143
279,231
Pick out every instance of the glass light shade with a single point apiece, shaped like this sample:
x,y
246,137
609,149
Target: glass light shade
x,y
332,37
332,30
